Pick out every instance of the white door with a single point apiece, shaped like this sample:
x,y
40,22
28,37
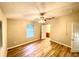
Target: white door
x,y
75,38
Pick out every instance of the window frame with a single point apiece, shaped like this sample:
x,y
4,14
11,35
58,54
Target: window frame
x,y
32,36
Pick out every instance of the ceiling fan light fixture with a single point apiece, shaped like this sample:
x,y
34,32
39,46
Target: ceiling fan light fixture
x,y
41,21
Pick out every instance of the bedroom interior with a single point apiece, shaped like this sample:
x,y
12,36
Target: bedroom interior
x,y
39,29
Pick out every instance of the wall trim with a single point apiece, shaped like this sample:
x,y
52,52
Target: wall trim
x,y
34,41
61,43
21,44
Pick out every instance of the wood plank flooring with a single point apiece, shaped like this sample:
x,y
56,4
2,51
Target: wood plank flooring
x,y
42,48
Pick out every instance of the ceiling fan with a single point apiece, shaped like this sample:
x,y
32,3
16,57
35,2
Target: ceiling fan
x,y
42,17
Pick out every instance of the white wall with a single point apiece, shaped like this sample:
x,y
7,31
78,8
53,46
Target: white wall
x,y
3,50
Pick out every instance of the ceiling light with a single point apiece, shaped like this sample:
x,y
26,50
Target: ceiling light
x,y
41,21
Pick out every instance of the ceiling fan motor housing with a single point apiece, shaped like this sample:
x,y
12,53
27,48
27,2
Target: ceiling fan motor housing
x,y
42,14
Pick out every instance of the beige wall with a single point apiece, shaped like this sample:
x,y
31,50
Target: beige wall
x,y
3,51
61,30
17,32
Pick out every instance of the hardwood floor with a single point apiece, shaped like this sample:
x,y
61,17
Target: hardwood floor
x,y
42,48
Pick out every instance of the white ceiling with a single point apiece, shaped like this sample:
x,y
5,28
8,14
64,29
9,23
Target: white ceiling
x,y
31,10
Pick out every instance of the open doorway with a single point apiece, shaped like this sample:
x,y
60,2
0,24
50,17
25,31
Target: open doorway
x,y
45,31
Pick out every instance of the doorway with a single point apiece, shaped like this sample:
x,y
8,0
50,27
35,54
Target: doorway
x,y
45,31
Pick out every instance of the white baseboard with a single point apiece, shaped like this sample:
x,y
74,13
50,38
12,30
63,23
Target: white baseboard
x,y
61,43
20,45
33,41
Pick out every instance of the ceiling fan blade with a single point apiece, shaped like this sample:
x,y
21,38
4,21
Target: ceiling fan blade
x,y
49,18
52,17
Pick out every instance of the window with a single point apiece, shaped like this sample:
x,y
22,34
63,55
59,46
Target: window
x,y
30,30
